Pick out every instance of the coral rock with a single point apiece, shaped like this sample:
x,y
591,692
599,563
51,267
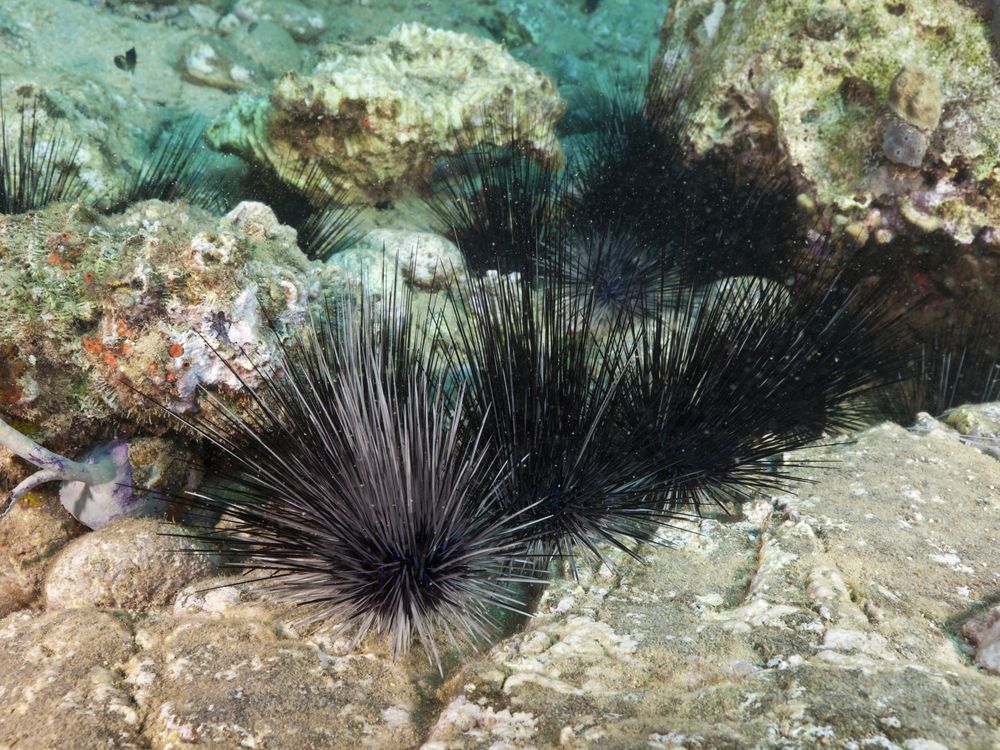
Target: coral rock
x,y
303,24
984,632
134,565
808,618
100,306
375,117
774,93
270,47
60,684
904,144
34,530
424,260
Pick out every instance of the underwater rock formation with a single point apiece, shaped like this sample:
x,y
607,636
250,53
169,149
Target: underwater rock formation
x,y
375,117
387,258
209,61
819,618
98,309
984,633
304,24
827,94
34,530
833,616
133,565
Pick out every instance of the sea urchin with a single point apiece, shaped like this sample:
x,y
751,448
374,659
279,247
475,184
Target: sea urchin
x,y
354,491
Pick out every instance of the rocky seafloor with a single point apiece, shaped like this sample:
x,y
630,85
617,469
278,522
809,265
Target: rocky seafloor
x,y
856,611
859,610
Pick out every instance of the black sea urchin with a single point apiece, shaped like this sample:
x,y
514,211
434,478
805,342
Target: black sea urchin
x,y
611,272
707,218
499,201
321,213
177,168
722,383
39,167
353,490
958,365
543,387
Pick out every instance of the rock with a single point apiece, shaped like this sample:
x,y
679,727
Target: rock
x,y
995,22
984,633
30,535
800,622
135,565
915,95
258,222
826,23
423,260
89,124
904,144
229,23
269,46
979,424
303,23
798,625
241,683
375,117
209,61
771,96
507,30
115,305
80,678
203,15
60,676
114,114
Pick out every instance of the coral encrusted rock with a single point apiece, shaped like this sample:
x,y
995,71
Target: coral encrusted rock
x,y
134,564
887,111
375,117
97,310
826,617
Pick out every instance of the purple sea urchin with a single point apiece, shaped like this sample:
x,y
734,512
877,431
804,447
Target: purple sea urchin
x,y
354,491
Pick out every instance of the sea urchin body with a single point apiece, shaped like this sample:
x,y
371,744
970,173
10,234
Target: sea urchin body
x,y
355,493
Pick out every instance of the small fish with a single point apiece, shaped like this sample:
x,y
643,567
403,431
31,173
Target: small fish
x,y
126,61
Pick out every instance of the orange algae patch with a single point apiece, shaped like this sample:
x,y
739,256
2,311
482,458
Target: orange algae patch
x,y
91,345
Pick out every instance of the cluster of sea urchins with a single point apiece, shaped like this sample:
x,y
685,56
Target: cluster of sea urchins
x,y
639,336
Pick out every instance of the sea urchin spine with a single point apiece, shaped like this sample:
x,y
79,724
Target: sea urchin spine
x,y
355,492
